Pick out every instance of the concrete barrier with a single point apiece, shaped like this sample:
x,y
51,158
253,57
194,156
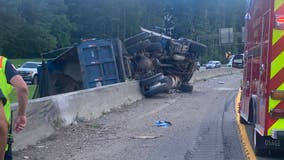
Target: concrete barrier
x,y
210,73
46,115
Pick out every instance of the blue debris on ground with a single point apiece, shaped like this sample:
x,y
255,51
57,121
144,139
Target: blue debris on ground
x,y
163,123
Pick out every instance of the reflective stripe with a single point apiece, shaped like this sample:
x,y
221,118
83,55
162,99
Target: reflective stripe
x,y
1,58
277,125
278,4
276,35
6,88
277,64
273,103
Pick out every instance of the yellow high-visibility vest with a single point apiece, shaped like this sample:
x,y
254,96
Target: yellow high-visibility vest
x,y
6,90
5,87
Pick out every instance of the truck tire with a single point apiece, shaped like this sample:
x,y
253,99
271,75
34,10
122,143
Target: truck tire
x,y
156,89
168,82
138,47
186,88
136,38
150,80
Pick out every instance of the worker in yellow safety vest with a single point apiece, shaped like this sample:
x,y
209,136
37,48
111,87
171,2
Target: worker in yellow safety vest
x,y
9,79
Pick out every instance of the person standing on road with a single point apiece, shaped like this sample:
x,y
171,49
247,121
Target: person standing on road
x,y
3,126
9,78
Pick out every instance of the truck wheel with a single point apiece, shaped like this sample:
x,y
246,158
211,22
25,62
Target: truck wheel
x,y
257,140
186,88
168,83
156,89
136,38
150,80
35,79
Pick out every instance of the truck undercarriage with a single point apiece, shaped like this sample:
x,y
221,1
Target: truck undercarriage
x,y
162,63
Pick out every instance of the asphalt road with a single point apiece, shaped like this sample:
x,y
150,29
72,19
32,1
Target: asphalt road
x,y
202,127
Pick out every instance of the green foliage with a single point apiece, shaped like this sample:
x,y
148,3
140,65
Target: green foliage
x,y
31,27
13,96
18,62
61,28
31,40
31,31
10,21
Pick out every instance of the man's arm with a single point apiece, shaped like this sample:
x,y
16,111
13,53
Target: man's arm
x,y
22,94
3,127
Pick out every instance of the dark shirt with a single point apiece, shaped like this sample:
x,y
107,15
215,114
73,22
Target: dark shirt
x,y
10,71
2,98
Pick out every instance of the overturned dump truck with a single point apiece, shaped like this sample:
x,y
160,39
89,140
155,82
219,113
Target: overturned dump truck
x,y
161,63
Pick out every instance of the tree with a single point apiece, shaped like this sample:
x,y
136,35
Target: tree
x,y
29,27
61,29
10,21
31,40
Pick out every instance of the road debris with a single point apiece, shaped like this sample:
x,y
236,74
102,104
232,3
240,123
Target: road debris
x,y
221,82
146,137
163,123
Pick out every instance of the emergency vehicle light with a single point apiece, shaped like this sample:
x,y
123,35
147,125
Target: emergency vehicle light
x,y
279,21
277,95
277,113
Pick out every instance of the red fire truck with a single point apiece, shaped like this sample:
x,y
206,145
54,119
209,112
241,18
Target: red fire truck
x,y
262,102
